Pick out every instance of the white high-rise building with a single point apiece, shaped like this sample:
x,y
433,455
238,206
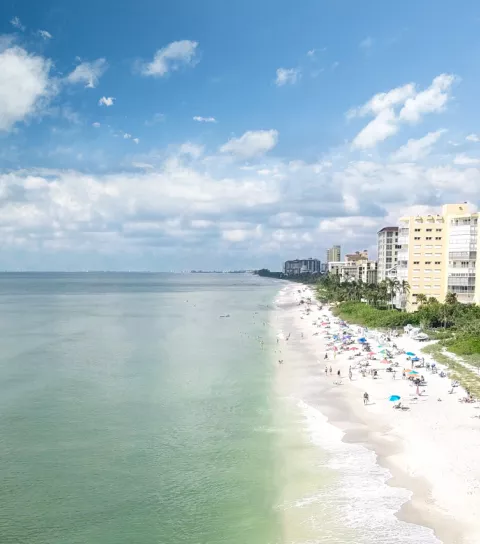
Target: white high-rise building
x,y
387,251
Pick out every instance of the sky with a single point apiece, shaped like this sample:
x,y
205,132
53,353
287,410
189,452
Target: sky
x,y
168,136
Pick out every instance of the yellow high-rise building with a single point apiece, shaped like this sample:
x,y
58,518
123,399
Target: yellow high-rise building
x,y
438,254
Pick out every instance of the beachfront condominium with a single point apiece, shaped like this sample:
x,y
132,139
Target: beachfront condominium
x,y
357,267
334,254
438,254
387,251
302,266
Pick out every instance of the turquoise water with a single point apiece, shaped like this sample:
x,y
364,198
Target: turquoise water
x,y
130,412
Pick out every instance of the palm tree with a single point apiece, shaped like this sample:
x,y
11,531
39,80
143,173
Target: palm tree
x,y
422,299
451,298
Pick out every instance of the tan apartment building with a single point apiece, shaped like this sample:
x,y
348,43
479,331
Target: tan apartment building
x,y
438,254
334,254
363,270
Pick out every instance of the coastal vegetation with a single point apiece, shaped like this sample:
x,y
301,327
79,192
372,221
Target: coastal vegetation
x,y
456,326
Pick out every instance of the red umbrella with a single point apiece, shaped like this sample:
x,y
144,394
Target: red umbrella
x,y
371,353
354,348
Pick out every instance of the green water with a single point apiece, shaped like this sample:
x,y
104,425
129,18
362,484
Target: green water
x,y
130,412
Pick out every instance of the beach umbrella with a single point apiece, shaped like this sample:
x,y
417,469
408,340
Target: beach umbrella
x,y
385,362
394,398
362,340
413,372
353,348
410,354
371,353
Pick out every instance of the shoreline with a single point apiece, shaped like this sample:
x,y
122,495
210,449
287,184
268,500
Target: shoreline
x,y
412,447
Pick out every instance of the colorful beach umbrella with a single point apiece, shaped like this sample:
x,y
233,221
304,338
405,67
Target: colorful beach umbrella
x,y
394,398
410,354
413,372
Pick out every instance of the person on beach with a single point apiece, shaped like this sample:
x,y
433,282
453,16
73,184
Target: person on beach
x,y
394,373
350,373
326,371
330,370
326,356
403,375
365,398
338,373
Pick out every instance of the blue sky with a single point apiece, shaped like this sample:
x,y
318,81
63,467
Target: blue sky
x,y
177,135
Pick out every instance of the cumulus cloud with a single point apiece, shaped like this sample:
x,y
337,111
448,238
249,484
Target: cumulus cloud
x,y
473,138
251,144
414,150
287,76
96,124
88,73
172,57
433,99
464,160
136,140
204,119
45,34
25,85
106,101
16,23
127,136
382,127
410,104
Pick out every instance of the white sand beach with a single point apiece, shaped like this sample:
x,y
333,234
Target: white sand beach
x,y
430,449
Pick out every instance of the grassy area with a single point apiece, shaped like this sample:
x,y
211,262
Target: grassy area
x,y
360,313
467,378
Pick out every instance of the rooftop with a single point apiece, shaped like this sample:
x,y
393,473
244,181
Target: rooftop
x,y
388,229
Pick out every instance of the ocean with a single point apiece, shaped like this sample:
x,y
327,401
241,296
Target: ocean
x,y
131,412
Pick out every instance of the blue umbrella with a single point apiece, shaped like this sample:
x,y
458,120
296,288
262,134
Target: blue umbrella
x,y
362,340
410,354
394,398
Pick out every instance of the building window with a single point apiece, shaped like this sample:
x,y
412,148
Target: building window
x,y
429,230
416,262
438,230
438,262
429,237
417,238
438,237
428,262
417,230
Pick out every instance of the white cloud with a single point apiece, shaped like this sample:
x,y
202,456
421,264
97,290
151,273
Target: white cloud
x,y
15,21
432,99
311,53
382,127
252,143
106,101
96,124
413,105
414,150
473,138
464,160
88,73
367,43
194,150
204,119
171,58
287,75
25,87
335,65
382,101
136,140
127,136
45,34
